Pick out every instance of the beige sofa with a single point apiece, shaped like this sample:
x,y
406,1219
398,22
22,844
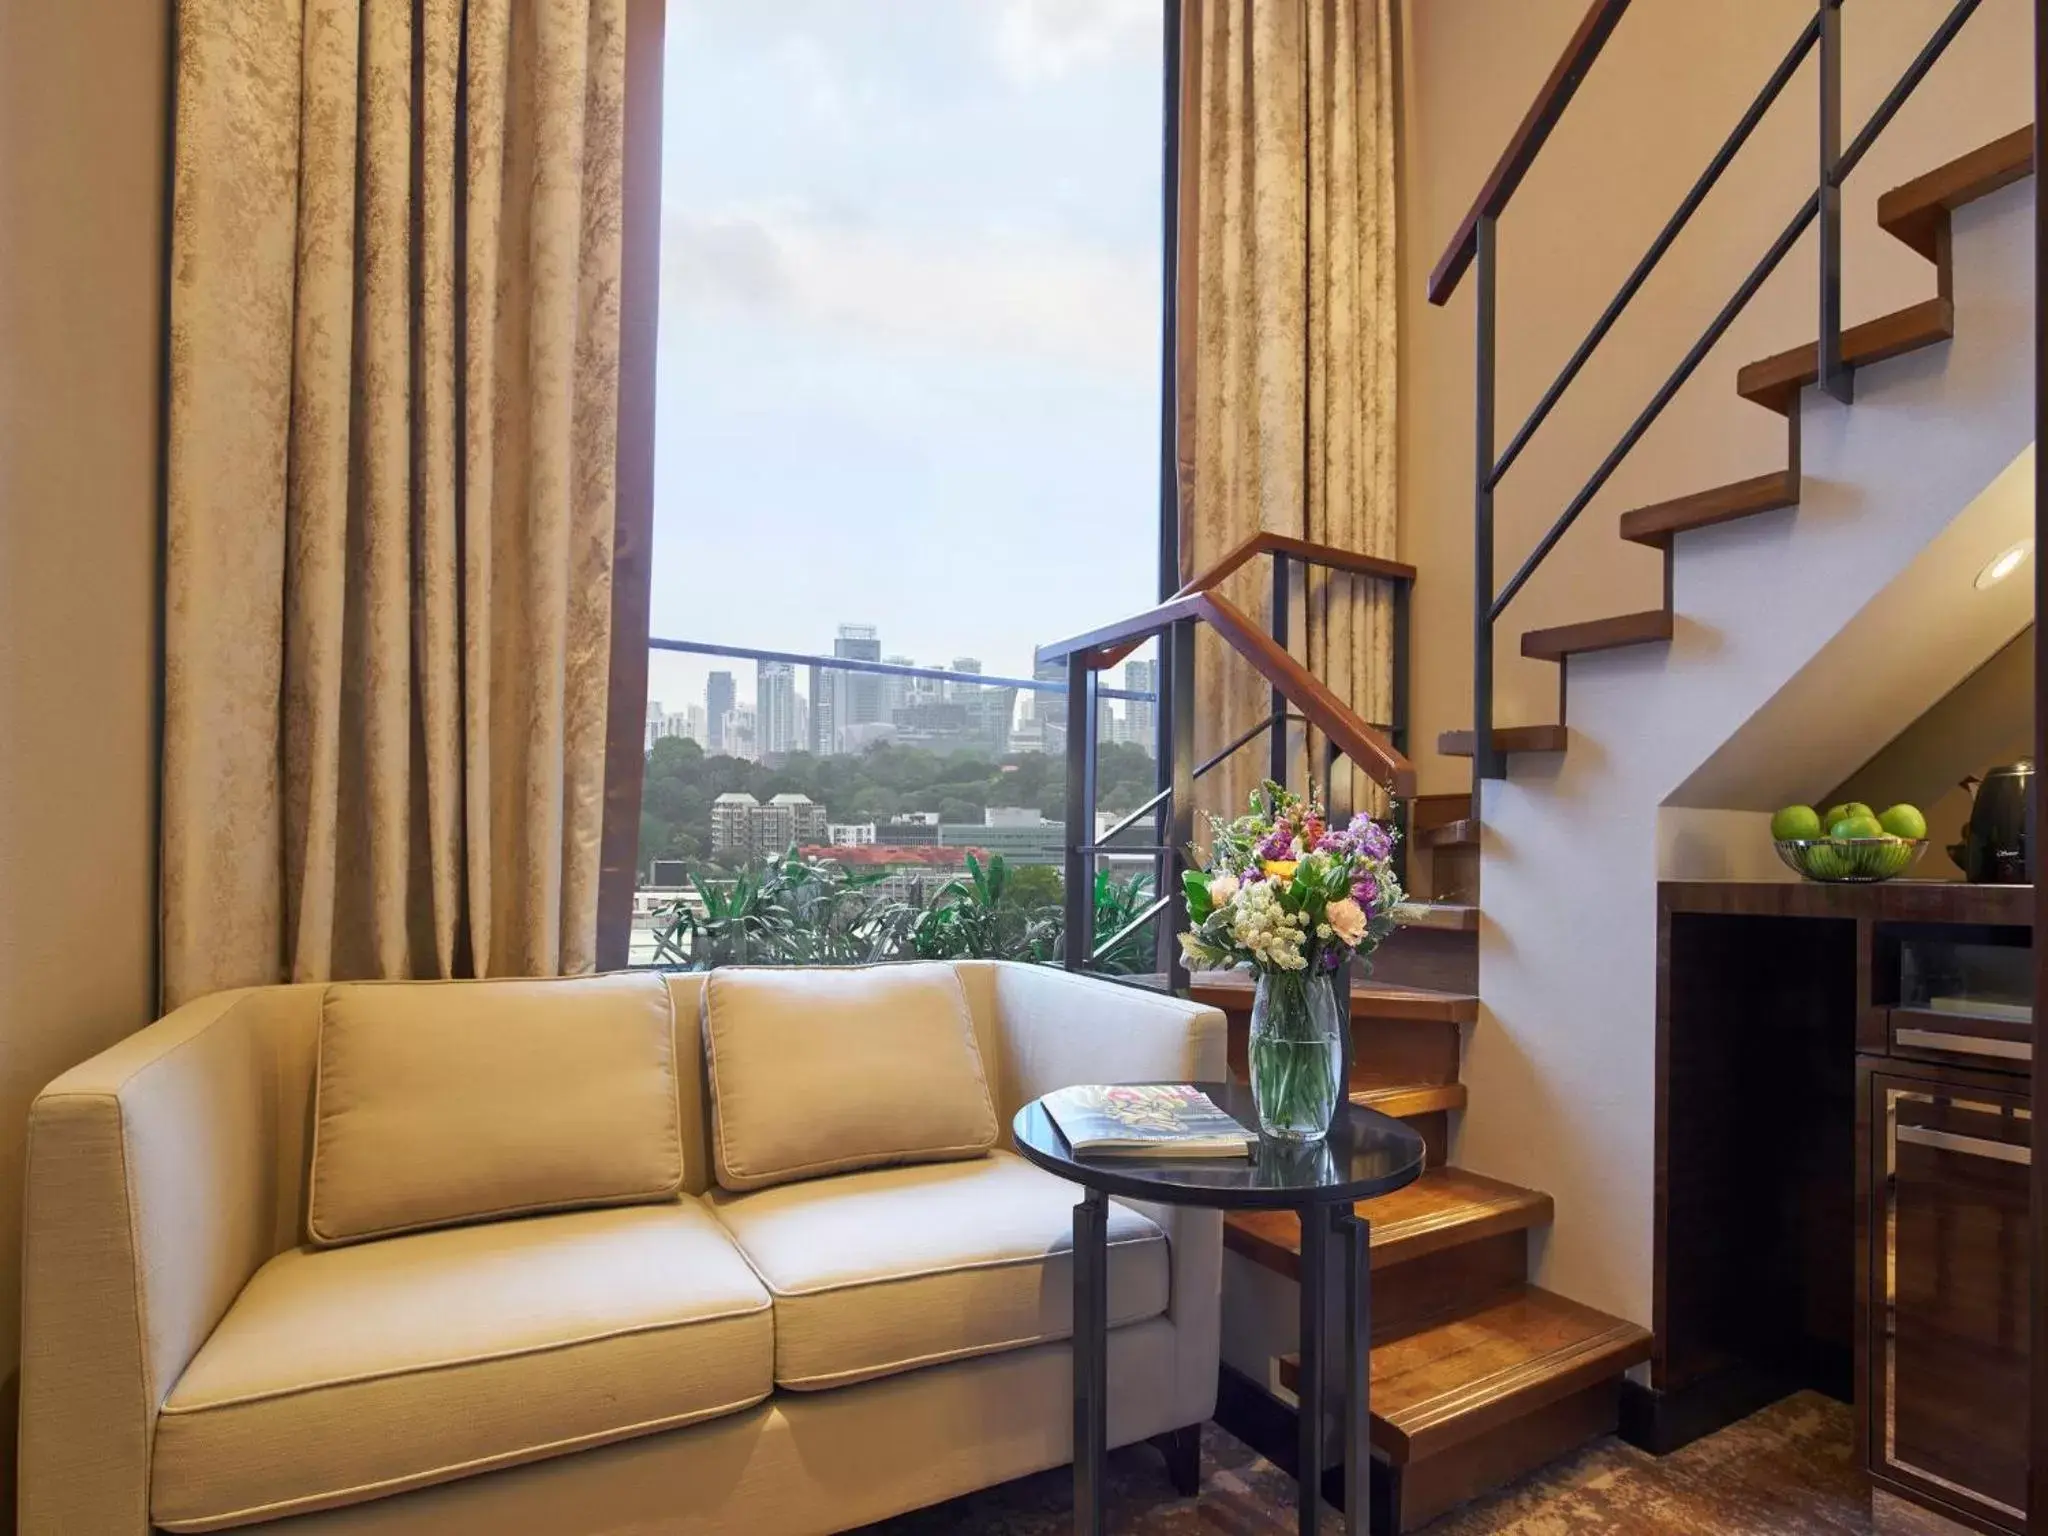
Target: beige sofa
x,y
802,1355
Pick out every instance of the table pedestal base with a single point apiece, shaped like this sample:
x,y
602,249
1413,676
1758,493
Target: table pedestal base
x,y
1319,1226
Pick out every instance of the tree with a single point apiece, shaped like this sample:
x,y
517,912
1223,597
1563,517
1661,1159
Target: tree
x,y
886,781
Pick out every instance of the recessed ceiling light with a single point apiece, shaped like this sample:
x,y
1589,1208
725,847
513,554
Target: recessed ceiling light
x,y
2004,565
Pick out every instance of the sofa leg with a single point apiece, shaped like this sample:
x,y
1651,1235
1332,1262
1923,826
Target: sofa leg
x,y
1182,1449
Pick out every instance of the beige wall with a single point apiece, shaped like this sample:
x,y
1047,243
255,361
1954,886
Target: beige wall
x,y
1671,82
82,105
1987,719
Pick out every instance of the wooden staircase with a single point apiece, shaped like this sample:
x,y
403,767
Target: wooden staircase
x,y
1916,213
1477,1375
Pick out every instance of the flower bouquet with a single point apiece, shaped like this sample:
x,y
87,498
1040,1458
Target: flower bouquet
x,y
1291,897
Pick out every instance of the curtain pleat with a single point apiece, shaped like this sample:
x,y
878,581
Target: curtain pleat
x,y
1287,362
394,335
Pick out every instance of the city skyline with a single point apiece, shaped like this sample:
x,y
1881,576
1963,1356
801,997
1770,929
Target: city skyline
x,y
778,717
915,293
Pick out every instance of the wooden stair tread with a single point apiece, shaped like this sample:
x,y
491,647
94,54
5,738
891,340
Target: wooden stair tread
x,y
1443,1208
1775,382
1232,992
1445,916
1655,525
1607,634
1442,1386
1462,833
1914,212
1508,738
1402,1097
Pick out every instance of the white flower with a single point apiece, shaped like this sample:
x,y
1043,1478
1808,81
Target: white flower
x,y
1221,889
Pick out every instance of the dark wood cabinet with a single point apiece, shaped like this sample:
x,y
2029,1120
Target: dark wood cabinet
x,y
1947,1288
1843,1173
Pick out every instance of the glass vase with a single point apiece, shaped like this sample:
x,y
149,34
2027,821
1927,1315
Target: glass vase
x,y
1297,1054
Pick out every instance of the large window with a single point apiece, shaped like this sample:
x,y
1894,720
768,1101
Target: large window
x,y
908,416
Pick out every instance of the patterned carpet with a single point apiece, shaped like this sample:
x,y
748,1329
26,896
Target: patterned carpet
x,y
1787,1471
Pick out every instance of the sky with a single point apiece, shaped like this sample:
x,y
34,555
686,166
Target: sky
x,y
909,327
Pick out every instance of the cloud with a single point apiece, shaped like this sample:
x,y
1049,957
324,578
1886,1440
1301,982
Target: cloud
x,y
1046,40
977,291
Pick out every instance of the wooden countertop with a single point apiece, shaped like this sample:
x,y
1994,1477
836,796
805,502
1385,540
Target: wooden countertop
x,y
1893,901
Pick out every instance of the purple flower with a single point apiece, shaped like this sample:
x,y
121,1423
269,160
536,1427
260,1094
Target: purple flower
x,y
1365,891
1375,841
1279,843
1334,842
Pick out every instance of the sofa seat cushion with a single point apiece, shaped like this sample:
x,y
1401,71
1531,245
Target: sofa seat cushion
x,y
341,1375
895,1268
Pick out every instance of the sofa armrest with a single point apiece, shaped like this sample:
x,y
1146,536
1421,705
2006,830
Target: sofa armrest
x,y
153,1194
1057,1029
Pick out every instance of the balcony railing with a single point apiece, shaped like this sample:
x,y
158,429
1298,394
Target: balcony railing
x,y
817,872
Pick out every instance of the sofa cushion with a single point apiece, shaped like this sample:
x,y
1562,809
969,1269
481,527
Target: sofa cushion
x,y
440,1102
821,1070
885,1271
343,1374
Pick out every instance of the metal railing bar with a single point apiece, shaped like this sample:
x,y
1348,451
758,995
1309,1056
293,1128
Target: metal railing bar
x,y
1146,809
1686,367
1129,928
1908,82
1725,156
881,668
1136,850
1245,740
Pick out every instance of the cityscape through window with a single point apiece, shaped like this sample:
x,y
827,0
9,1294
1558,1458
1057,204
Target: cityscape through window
x,y
908,414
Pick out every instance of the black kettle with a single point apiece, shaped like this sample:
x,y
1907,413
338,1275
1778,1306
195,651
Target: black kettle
x,y
1998,840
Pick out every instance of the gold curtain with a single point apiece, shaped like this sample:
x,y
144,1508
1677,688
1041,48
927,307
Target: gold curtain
x,y
1287,333
394,318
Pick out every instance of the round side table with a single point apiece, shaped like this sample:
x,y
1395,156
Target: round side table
x,y
1366,1154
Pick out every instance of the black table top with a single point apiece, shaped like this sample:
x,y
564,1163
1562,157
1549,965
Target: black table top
x,y
1366,1154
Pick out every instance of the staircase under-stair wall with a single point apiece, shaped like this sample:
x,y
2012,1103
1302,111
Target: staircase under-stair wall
x,y
1561,1067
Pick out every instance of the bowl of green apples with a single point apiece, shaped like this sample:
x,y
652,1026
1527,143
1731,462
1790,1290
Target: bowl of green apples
x,y
1850,843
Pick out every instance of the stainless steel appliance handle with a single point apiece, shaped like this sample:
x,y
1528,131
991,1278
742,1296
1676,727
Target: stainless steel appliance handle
x,y
1969,1146
1969,1045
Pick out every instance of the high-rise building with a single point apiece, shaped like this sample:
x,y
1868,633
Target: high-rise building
x,y
718,701
857,697
821,728
775,724
963,690
686,722
901,692
742,733
1044,727
1141,716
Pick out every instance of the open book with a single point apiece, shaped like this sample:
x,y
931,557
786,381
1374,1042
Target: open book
x,y
1145,1120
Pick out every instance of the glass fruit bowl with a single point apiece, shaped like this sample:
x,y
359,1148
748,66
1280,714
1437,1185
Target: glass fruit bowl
x,y
1851,860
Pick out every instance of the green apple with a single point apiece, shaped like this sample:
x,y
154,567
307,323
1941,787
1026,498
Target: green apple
x,y
1857,824
1825,862
1844,811
1904,821
1887,858
1795,822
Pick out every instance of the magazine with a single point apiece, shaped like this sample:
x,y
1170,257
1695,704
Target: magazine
x,y
1145,1120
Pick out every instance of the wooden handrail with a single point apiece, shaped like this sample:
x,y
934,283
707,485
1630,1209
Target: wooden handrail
x,y
1592,34
1266,542
1306,692
1300,687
